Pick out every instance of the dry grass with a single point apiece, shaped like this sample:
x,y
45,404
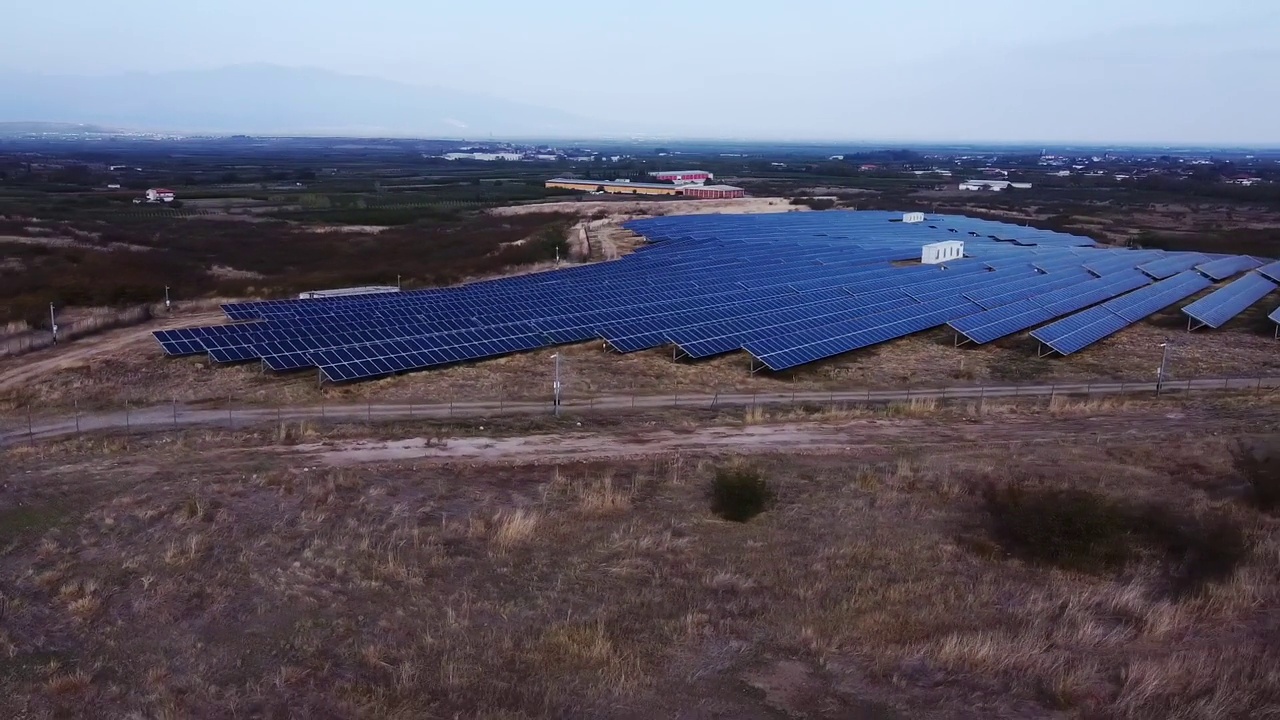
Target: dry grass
x,y
235,582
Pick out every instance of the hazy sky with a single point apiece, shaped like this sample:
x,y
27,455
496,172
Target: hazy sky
x,y
1078,70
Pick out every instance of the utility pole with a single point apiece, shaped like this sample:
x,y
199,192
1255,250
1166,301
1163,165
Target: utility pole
x,y
53,324
397,281
1164,360
167,305
556,385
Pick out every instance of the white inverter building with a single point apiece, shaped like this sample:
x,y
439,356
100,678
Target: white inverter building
x,y
941,252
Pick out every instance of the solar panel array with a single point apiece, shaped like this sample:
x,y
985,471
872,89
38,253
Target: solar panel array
x,y
789,288
1078,331
1216,308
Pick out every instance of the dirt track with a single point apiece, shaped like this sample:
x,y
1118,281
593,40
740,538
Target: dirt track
x,y
15,371
808,438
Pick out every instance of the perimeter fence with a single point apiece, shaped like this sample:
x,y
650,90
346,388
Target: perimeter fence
x,y
29,424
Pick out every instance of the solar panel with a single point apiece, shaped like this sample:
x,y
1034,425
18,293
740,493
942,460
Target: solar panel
x,y
996,323
1172,265
1218,307
1081,330
1271,271
805,347
1226,267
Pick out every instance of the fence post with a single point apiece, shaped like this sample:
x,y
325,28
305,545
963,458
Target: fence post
x,y
279,420
126,417
501,399
322,418
715,399
76,404
368,412
1258,391
410,411
231,421
175,412
31,436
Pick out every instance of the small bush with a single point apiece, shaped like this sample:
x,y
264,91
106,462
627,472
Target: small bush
x,y
739,494
1087,532
1259,464
822,203
1071,529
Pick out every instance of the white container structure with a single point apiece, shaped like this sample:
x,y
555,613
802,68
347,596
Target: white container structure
x,y
940,252
915,217
343,292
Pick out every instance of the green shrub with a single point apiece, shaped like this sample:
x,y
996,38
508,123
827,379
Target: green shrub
x,y
739,494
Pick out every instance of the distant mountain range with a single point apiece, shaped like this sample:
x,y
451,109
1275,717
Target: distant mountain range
x,y
269,99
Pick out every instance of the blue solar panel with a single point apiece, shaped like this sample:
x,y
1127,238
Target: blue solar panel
x,y
1218,307
1228,266
806,346
1078,331
1152,299
1271,271
999,322
1172,265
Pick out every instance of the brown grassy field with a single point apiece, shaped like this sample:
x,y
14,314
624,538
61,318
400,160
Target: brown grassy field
x,y
211,575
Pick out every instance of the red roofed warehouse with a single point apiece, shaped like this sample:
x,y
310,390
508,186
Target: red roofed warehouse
x,y
681,177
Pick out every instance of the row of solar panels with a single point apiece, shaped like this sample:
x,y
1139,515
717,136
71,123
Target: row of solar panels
x,y
792,290
657,266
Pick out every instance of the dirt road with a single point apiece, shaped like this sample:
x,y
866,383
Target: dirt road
x,y
17,430
807,438
25,368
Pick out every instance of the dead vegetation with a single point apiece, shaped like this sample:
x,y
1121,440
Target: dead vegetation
x,y
235,582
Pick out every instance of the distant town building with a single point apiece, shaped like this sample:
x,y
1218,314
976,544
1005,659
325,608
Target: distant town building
x,y
626,187
993,185
681,177
113,186
160,195
484,157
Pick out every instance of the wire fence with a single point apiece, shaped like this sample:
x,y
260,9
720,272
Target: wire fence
x,y
237,413
99,321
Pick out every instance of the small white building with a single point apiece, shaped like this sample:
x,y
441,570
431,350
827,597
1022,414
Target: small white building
x,y
913,217
160,195
344,292
993,185
940,252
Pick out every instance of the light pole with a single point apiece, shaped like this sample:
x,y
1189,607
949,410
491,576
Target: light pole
x,y
556,385
397,281
167,305
53,324
1164,360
